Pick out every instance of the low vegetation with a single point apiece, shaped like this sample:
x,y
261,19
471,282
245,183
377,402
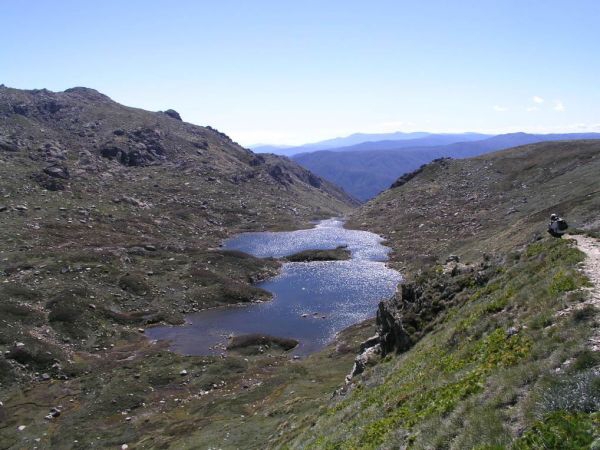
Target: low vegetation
x,y
506,368
110,221
260,342
336,254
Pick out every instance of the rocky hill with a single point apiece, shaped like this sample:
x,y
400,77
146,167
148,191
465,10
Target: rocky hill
x,y
110,220
487,203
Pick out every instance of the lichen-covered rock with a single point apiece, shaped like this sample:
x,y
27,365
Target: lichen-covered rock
x,y
369,357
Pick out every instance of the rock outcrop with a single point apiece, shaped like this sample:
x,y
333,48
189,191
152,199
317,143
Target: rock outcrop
x,y
417,306
173,114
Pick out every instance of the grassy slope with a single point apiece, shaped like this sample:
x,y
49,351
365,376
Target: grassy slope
x,y
505,364
241,401
471,382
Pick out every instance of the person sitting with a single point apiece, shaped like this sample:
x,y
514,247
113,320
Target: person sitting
x,y
557,226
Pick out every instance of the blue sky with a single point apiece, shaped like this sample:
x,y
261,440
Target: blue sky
x,y
293,72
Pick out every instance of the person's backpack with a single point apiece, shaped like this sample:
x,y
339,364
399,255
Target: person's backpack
x,y
562,225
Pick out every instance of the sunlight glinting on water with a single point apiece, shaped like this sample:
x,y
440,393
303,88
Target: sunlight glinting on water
x,y
311,300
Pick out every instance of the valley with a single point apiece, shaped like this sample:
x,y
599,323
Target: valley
x,y
366,169
112,220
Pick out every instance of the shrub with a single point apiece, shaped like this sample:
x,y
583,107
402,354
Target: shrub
x,y
205,277
542,320
19,291
562,282
576,393
235,254
7,374
20,313
496,305
586,360
160,378
66,311
584,314
38,355
561,430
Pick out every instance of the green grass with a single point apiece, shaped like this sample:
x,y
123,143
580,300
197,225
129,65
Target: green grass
x,y
562,282
466,382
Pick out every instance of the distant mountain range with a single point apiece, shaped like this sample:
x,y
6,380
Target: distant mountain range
x,y
378,141
365,169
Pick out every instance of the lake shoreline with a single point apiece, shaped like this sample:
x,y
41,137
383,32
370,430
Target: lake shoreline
x,y
358,260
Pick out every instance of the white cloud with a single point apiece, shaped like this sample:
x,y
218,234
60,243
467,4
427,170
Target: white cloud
x,y
532,108
500,108
538,100
558,106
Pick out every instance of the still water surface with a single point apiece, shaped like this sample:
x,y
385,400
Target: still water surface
x,y
331,295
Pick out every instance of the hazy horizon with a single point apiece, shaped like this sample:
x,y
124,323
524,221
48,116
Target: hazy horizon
x,y
288,74
491,134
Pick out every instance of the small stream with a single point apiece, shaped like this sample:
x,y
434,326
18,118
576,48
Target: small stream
x,y
311,301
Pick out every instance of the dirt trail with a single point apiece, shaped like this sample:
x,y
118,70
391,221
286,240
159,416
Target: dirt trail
x,y
591,267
